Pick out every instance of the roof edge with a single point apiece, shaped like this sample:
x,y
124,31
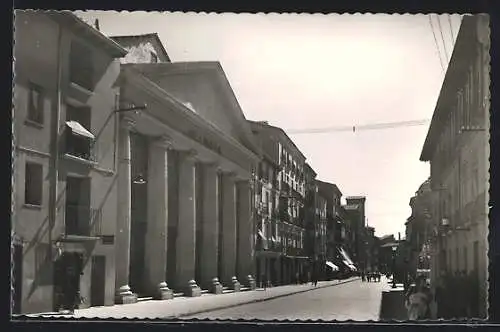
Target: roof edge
x,y
67,16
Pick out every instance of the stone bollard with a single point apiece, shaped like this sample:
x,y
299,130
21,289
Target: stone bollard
x,y
163,292
125,296
216,287
193,290
252,284
235,284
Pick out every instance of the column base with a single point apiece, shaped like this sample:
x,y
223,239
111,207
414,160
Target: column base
x,y
125,296
216,287
193,290
235,284
251,283
163,292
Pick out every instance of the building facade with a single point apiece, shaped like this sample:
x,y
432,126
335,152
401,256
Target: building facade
x,y
269,249
331,196
311,216
66,194
290,207
419,228
355,208
458,151
371,250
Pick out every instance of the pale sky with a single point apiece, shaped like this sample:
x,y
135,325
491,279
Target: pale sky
x,y
301,71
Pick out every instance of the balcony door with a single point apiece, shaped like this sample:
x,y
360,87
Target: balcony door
x,y
78,212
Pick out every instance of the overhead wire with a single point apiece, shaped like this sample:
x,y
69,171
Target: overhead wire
x,y
436,42
442,38
354,128
451,30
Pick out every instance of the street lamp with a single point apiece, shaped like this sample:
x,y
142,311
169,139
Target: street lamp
x,y
394,248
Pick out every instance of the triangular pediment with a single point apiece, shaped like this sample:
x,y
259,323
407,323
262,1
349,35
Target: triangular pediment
x,y
203,88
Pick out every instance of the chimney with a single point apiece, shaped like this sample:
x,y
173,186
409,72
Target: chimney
x,y
96,24
399,236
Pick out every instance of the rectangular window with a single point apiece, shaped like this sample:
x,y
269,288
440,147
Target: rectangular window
x,y
81,67
35,104
33,184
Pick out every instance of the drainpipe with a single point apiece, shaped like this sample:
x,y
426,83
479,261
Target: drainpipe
x,y
55,142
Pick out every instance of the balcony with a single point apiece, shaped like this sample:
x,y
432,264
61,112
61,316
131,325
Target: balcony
x,y
80,220
79,143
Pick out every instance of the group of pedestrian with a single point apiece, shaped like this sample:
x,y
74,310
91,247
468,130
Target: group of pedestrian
x,y
457,295
370,276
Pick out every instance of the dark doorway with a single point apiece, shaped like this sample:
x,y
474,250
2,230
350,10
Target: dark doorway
x,y
138,250
17,278
98,281
68,269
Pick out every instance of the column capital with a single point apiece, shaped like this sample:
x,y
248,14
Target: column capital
x,y
163,141
213,165
128,122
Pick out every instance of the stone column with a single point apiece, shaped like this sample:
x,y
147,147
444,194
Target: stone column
x,y
122,245
186,229
228,228
245,231
157,228
210,225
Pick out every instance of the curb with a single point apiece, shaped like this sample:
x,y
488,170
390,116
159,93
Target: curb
x,y
257,300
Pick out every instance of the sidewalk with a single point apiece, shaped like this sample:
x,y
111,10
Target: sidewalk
x,y
185,306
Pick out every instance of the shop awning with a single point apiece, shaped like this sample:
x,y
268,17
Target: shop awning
x,y
350,266
78,129
346,256
333,266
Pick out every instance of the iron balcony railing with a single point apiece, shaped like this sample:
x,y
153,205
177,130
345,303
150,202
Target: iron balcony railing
x,y
82,220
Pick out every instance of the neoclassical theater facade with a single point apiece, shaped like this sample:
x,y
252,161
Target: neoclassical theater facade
x,y
186,165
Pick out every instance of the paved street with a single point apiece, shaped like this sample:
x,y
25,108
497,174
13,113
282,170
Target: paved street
x,y
354,300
